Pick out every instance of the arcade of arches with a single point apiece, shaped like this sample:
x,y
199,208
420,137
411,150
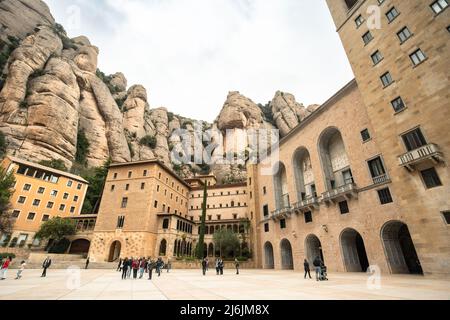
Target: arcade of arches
x,y
401,255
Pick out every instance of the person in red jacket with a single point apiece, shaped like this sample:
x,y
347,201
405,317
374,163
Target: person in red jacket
x,y
135,267
5,267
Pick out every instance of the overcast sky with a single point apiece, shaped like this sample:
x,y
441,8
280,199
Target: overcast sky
x,y
190,53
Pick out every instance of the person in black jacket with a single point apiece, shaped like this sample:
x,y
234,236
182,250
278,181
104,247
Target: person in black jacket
x,y
124,268
317,263
46,264
204,266
307,270
150,266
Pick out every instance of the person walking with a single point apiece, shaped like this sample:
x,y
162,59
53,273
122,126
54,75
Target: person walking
x,y
317,263
142,268
87,263
221,266
204,266
124,268
207,263
120,265
5,267
169,265
21,269
159,265
150,266
45,265
307,269
217,267
129,267
236,264
135,267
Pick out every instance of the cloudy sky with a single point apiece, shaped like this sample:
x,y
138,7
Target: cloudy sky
x,y
190,53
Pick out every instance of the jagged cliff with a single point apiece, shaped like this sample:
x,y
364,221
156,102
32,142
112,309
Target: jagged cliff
x,y
56,104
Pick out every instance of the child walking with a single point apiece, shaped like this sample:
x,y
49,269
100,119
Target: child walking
x,y
19,272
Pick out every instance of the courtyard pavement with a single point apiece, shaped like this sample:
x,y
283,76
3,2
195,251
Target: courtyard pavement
x,y
191,285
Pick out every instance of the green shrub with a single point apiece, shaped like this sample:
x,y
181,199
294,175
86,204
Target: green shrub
x,y
23,104
82,148
149,141
170,116
55,164
3,144
5,255
60,247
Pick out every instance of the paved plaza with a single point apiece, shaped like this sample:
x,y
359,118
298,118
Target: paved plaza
x,y
191,285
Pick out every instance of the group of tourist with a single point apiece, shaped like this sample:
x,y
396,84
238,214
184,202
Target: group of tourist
x,y
140,266
320,268
7,263
219,264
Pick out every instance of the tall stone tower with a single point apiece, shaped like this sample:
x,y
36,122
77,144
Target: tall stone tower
x,y
399,52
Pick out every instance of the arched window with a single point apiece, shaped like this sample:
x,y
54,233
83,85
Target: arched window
x,y
281,187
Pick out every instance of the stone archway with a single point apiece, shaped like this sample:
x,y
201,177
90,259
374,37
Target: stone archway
x,y
287,261
313,248
268,256
114,251
211,250
354,251
80,246
400,251
163,248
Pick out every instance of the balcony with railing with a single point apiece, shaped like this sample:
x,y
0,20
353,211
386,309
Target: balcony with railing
x,y
344,192
307,204
429,152
283,210
381,179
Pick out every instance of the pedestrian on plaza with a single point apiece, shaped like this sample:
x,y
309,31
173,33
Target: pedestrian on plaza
x,y
21,269
87,263
142,267
236,264
45,265
317,263
217,267
169,265
207,263
204,266
221,266
130,267
124,268
150,266
159,266
4,268
120,265
135,266
307,269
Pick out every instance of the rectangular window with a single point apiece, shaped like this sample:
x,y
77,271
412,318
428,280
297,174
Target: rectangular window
x,y
367,37
264,190
385,196
21,200
417,57
62,207
120,222
266,210
66,196
27,187
145,173
376,167
72,209
155,205
219,217
50,205
113,187
36,202
31,216
165,224
359,21
266,227
41,190
142,185
446,215
129,174
398,104
365,134
79,186
439,6
15,214
54,193
392,14
124,202
386,79
376,57
343,207
69,183
283,223
431,178
75,198
127,187
115,176
404,34
45,217
414,139
308,217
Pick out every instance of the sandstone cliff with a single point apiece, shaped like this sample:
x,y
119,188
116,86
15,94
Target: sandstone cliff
x,y
53,99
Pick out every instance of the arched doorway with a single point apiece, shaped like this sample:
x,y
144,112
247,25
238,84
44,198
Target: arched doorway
x,y
313,248
268,256
163,247
399,248
287,262
79,246
354,251
210,250
114,251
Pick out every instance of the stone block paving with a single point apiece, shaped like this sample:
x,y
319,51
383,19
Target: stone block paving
x,y
191,285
